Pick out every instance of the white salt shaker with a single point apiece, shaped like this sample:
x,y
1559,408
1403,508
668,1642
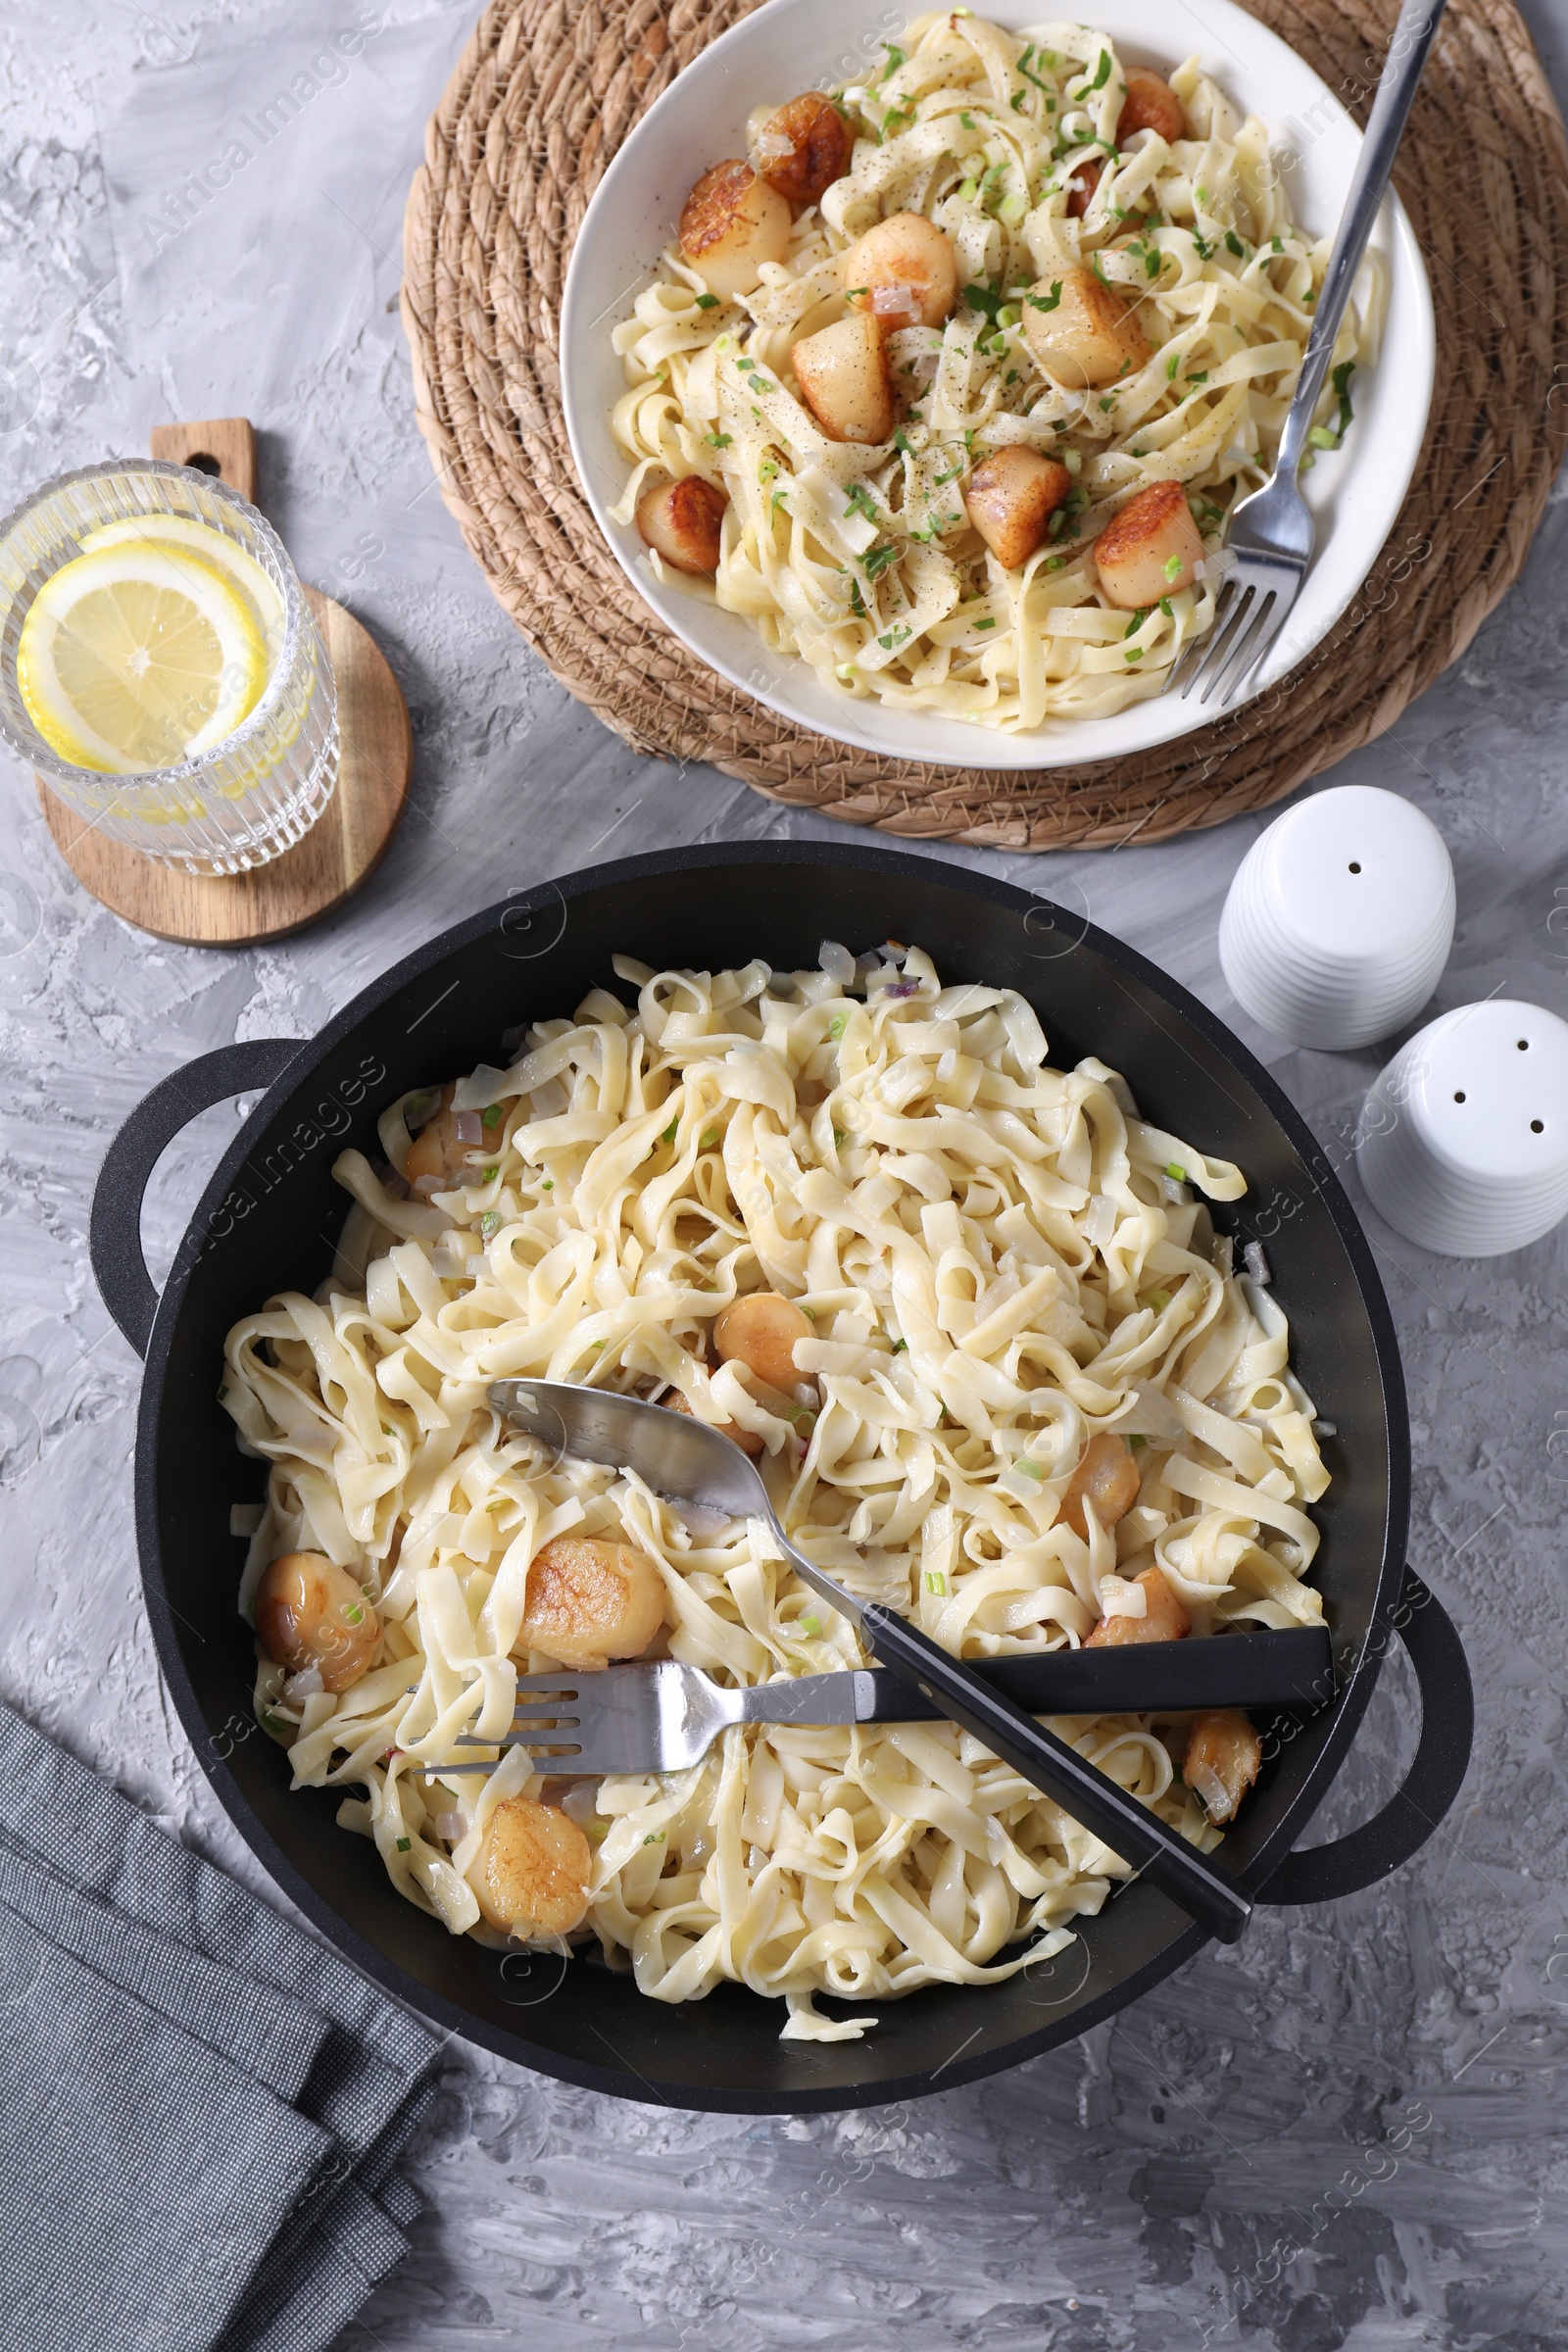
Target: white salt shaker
x,y
1463,1140
1340,918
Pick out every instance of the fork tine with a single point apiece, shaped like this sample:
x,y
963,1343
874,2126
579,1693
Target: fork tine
x,y
1231,612
1251,644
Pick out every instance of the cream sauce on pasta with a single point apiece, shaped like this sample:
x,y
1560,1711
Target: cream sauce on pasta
x,y
861,561
999,1257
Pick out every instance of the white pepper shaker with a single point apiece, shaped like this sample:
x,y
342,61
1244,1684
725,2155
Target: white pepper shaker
x,y
1339,919
1463,1139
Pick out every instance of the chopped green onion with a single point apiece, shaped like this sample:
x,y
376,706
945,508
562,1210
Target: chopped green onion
x,y
669,1136
1072,458
1102,74
809,1625
708,301
719,440
1159,1298
1171,365
1030,1469
404,1843
1177,1175
969,191
1136,621
548,1185
1172,567
839,1138
1135,1443
899,1347
1201,377
988,622
276,1722
837,1026
1322,437
1055,563
936,1581
706,1143
490,1118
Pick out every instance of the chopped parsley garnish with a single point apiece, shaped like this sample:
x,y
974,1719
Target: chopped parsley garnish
x,y
404,1844
895,58
901,442
1165,607
893,639
899,1347
1018,97
1046,302
858,501
878,559
1341,380
1204,248
986,299
719,440
1234,245
1171,365
1101,72
1201,377
708,301
988,622
1136,621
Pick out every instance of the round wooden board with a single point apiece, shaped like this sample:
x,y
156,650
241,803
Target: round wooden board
x,y
342,848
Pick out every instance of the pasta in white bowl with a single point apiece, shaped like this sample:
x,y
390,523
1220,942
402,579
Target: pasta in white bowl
x,y
931,446
1023,1395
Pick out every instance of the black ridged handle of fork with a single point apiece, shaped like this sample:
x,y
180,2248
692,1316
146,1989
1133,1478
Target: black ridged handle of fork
x,y
1091,1797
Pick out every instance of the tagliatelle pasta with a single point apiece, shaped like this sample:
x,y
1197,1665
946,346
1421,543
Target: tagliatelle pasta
x,y
998,1259
861,556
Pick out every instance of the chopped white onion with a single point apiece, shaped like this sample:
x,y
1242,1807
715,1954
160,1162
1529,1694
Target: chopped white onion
x,y
1099,1225
304,1685
1204,1781
837,963
453,1826
894,301
580,1803
1257,1265
481,1089
244,1518
772,147
468,1128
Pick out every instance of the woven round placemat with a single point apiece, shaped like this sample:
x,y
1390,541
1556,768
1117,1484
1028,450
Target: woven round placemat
x,y
543,94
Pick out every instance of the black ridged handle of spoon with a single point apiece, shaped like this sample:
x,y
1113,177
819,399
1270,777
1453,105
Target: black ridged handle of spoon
x,y
1127,1826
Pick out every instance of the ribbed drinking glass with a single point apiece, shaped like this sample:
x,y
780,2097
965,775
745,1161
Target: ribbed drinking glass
x,y
250,797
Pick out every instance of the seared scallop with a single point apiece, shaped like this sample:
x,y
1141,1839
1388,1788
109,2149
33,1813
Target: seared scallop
x,y
1010,497
531,1874
760,1331
1163,1618
684,520
1107,1476
310,1612
590,1599
843,374
805,147
731,223
1081,332
1222,1760
904,272
1151,104
1150,548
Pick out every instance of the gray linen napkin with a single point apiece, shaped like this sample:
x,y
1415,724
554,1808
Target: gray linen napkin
x,y
200,2108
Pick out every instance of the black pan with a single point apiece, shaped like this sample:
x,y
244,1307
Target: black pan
x,y
269,1221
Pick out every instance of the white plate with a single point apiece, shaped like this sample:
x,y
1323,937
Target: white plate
x,y
791,45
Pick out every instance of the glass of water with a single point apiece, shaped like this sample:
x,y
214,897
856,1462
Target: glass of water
x,y
159,670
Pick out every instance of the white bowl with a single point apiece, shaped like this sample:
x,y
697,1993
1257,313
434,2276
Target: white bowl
x,y
1339,919
1463,1139
790,45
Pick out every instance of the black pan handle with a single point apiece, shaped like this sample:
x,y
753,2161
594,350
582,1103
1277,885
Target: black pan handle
x,y
115,1236
1346,1864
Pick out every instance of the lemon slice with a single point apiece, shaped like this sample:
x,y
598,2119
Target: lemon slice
x,y
214,547
137,657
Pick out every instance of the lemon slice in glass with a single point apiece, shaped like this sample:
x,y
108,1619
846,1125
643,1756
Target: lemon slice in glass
x,y
137,657
212,546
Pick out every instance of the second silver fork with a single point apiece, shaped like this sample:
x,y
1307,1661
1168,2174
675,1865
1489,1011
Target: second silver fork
x,y
1271,532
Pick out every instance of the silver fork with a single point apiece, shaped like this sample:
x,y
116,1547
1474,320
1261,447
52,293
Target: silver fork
x,y
1271,531
689,1462
661,1716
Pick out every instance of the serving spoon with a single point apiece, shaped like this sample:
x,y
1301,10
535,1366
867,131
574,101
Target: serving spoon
x,y
688,1462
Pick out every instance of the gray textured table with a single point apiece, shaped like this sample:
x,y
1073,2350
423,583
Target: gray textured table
x,y
1403,2052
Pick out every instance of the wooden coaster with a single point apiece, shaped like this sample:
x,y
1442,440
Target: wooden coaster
x,y
348,840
